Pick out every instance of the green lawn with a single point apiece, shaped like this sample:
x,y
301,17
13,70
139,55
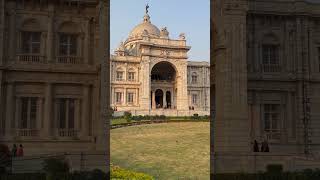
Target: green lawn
x,y
165,151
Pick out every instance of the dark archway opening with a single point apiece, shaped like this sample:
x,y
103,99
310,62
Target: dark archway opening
x,y
159,98
163,71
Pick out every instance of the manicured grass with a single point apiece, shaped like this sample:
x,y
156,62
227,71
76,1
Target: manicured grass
x,y
165,151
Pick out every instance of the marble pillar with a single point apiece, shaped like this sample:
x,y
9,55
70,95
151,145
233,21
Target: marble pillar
x,y
9,109
85,109
47,124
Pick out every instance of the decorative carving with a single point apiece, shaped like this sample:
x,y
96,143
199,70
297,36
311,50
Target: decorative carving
x,y
182,36
145,32
164,32
165,53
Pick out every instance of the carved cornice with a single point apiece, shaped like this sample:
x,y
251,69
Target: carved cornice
x,y
284,7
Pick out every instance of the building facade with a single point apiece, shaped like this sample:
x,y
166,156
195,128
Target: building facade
x,y
49,76
266,64
151,75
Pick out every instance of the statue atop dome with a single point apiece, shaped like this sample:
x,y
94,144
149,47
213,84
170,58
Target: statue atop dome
x,y
182,36
146,17
147,7
120,51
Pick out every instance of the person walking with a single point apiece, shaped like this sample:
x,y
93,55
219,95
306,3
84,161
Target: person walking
x,y
14,150
20,151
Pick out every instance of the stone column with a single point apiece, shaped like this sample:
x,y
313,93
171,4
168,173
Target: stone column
x,y
77,116
86,108
182,94
86,42
145,83
2,42
125,96
112,96
172,99
12,31
39,113
47,119
154,106
17,113
81,47
9,108
137,96
164,99
1,98
50,36
231,125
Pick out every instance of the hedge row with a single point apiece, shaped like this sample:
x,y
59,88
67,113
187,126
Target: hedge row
x,y
90,175
119,173
302,175
128,116
285,176
116,173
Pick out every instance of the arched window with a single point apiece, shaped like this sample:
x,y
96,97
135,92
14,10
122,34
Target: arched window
x,y
131,75
194,78
194,99
69,43
30,41
119,74
270,54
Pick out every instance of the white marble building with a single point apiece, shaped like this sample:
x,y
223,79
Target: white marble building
x,y
151,75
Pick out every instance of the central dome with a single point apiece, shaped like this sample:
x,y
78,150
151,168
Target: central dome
x,y
145,25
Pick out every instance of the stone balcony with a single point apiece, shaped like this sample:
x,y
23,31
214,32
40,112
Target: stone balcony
x,y
31,58
67,133
271,68
36,58
27,132
69,60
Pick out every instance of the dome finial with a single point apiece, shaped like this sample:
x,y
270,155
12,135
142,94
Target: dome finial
x,y
146,17
147,7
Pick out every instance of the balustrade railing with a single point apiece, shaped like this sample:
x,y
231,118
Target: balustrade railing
x,y
69,59
67,132
27,132
31,58
271,68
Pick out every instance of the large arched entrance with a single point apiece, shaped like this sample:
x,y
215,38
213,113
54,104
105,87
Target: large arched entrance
x,y
163,85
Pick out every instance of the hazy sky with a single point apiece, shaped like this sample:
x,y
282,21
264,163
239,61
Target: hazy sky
x,y
191,17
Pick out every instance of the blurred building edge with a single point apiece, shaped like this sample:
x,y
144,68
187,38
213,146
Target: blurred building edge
x,y
50,62
267,77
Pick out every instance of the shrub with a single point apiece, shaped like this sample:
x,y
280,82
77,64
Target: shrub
x,y
274,168
56,165
119,173
162,117
195,117
97,174
127,116
146,117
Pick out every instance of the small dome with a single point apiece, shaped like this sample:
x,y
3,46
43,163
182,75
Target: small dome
x,y
145,27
